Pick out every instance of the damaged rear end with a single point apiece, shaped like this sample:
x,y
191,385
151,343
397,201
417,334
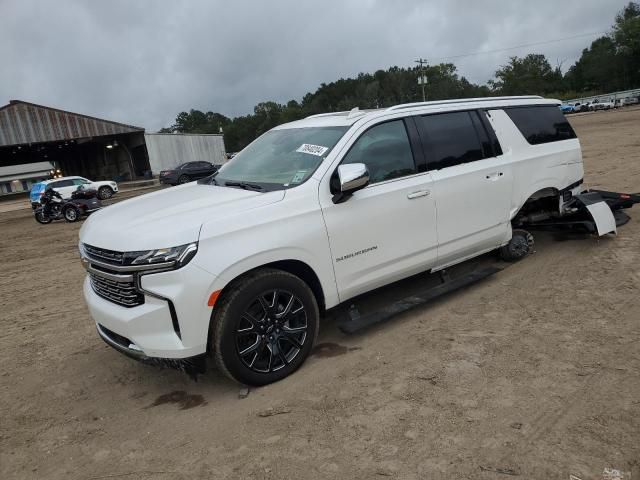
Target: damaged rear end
x,y
594,211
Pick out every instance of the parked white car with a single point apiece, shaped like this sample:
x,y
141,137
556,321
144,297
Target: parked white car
x,y
314,213
601,105
65,186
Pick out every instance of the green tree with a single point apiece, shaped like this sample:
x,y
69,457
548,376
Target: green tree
x,y
531,75
599,68
626,34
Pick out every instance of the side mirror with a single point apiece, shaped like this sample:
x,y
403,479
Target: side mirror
x,y
352,177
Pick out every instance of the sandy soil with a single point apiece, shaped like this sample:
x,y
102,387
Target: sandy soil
x,y
534,372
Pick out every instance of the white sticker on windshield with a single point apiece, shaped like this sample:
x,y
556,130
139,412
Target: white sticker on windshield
x,y
299,176
317,150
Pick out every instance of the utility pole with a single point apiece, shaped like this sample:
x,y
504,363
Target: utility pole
x,y
422,81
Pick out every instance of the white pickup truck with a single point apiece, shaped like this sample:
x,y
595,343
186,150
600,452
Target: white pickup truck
x,y
242,265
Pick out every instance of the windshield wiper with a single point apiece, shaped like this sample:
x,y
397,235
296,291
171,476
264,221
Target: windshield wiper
x,y
244,185
210,180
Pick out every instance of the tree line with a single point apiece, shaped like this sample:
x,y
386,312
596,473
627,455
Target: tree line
x,y
611,62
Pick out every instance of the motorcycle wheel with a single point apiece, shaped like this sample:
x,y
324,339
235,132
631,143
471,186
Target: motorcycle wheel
x,y
71,214
42,218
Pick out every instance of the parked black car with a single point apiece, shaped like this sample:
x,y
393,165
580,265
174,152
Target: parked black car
x,y
188,172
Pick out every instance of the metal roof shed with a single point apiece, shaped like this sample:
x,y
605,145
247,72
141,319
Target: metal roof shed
x,y
168,150
78,144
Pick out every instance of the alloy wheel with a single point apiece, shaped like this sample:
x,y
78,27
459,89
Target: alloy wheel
x,y
272,331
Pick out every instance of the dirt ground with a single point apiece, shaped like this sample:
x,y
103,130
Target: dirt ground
x,y
534,372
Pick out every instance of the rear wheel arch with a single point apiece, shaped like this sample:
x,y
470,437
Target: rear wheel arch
x,y
544,200
541,193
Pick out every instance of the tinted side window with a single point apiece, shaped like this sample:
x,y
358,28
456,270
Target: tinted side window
x,y
497,148
541,124
385,150
451,139
487,148
63,183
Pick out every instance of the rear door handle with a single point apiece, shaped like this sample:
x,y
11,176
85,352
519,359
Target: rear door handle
x,y
494,175
418,194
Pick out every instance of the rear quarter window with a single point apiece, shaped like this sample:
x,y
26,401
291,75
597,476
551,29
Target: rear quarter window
x,y
541,124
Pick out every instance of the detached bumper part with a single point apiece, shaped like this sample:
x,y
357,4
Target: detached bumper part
x,y
593,211
599,211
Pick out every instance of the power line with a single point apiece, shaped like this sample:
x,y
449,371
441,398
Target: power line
x,y
517,46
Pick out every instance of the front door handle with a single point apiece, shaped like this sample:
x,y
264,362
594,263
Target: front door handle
x,y
494,175
418,194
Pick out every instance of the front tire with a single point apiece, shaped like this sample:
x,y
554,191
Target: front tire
x,y
264,327
42,218
105,192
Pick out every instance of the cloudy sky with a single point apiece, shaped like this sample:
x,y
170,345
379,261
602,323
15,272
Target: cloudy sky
x,y
141,62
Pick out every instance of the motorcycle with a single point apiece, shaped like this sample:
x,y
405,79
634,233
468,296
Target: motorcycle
x,y
54,207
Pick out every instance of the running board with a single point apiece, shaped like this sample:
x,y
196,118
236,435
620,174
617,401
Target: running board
x,y
352,321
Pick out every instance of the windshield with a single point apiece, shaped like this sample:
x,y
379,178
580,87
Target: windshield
x,y
280,158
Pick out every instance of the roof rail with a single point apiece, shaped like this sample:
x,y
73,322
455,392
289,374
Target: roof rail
x,y
353,113
330,114
461,100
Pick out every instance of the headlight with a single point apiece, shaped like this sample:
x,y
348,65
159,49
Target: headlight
x,y
179,256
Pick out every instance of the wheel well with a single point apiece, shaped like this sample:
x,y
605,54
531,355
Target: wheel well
x,y
306,274
300,270
545,192
543,203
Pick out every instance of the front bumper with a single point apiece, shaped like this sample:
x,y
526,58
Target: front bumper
x,y
192,365
171,322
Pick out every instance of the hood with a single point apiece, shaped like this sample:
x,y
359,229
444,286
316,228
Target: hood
x,y
168,218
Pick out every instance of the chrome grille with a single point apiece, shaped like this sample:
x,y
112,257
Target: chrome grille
x,y
121,293
103,255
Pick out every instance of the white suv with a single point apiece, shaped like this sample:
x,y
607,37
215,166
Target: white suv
x,y
65,186
241,265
